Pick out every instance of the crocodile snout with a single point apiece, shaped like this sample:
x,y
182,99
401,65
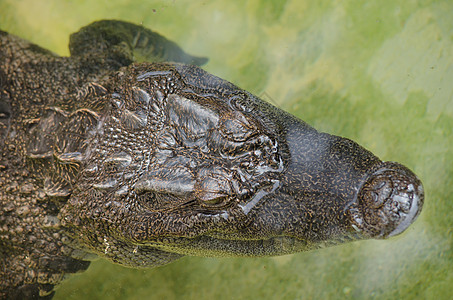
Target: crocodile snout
x,y
388,201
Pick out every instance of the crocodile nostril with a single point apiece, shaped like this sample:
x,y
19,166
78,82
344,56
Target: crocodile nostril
x,y
378,191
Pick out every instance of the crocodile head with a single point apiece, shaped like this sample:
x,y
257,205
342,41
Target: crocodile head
x,y
184,162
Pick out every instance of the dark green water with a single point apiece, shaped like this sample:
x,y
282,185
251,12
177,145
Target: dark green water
x,y
378,72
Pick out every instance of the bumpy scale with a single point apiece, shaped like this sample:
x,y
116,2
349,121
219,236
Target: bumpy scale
x,y
143,163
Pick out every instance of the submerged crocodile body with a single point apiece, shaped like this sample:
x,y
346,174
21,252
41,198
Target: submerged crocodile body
x,y
143,163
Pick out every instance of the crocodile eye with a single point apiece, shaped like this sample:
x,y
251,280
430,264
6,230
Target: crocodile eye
x,y
213,188
216,201
212,192
238,102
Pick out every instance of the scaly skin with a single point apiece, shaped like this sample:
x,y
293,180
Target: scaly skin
x,y
143,163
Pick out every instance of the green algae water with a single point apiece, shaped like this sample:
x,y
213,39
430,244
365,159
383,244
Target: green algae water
x,y
378,72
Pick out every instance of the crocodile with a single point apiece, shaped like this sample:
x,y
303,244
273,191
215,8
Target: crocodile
x,y
129,151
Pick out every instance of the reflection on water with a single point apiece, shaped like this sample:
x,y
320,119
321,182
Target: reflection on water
x,y
377,73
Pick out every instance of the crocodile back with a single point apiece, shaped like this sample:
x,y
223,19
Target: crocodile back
x,y
42,128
